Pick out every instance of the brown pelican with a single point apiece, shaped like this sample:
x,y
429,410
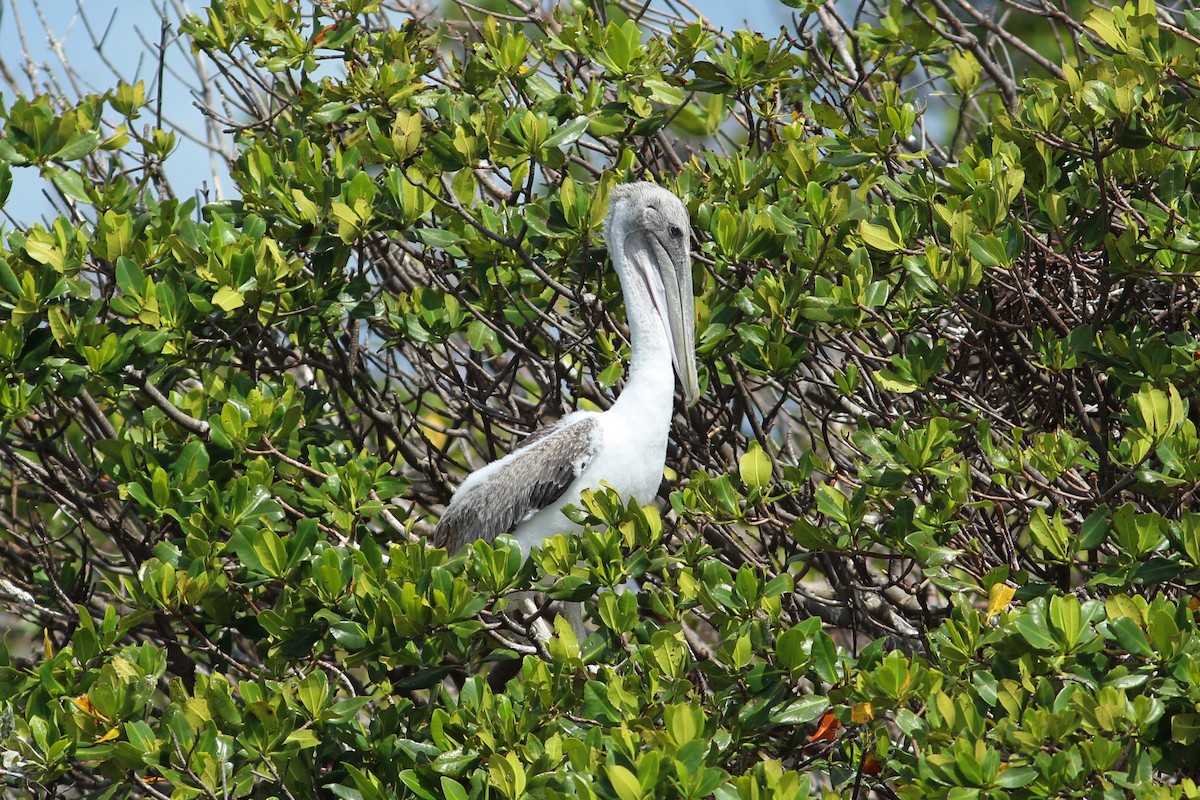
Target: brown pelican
x,y
647,232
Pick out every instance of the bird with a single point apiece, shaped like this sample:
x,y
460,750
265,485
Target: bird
x,y
648,235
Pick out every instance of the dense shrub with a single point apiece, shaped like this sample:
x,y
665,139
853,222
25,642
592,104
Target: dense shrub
x,y
931,532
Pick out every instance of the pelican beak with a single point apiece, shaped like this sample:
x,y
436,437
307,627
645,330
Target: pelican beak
x,y
669,281
681,321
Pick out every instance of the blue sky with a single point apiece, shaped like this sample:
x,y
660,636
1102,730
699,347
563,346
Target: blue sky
x,y
129,31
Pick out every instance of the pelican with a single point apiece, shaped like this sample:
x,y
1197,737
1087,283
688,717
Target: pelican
x,y
648,236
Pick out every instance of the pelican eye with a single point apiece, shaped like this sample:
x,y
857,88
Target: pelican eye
x,y
675,231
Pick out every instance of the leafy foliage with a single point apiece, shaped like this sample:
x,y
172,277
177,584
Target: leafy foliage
x,y
931,532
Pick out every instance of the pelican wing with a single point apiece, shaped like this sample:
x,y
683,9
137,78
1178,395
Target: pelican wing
x,y
500,496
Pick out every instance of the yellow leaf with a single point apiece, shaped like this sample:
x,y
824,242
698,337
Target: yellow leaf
x,y
434,426
109,735
227,299
47,645
999,598
862,712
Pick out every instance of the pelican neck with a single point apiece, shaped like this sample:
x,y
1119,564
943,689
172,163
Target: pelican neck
x,y
649,390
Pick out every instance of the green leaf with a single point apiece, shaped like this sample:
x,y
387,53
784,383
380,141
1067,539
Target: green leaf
x,y
435,237
1185,729
453,790
799,712
8,279
507,773
663,92
890,381
78,146
1094,529
141,736
1130,636
624,782
130,278
271,552
825,657
160,488
754,466
413,781
1032,626
596,704
878,237
791,647
684,722
1101,21
988,250
568,134
304,737
1016,777
71,184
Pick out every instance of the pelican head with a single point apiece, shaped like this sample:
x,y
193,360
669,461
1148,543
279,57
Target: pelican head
x,y
649,239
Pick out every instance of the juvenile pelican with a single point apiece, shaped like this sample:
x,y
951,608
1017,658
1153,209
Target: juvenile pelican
x,y
647,233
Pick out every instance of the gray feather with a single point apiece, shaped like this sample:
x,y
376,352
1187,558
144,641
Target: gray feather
x,y
532,477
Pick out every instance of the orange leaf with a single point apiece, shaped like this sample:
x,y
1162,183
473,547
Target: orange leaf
x,y
827,730
84,704
870,765
320,37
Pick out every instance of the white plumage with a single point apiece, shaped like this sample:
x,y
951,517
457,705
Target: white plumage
x,y
647,232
